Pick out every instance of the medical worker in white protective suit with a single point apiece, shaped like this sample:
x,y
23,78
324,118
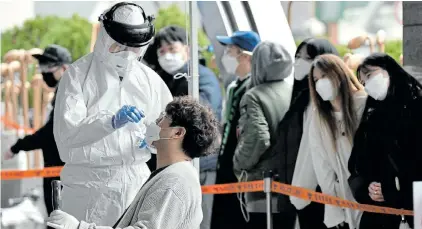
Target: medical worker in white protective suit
x,y
98,96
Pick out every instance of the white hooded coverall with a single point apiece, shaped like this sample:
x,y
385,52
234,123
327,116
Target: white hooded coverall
x,y
104,167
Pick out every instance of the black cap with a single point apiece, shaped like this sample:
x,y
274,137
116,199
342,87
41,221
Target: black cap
x,y
169,34
54,54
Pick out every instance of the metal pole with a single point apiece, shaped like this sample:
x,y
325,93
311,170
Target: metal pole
x,y
267,190
194,61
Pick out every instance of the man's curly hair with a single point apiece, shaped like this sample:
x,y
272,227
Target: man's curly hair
x,y
200,123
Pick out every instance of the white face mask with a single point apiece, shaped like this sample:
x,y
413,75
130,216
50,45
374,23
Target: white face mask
x,y
377,86
230,63
171,62
152,134
120,60
325,89
302,68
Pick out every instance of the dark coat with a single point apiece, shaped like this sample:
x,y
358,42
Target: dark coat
x,y
226,211
42,139
386,147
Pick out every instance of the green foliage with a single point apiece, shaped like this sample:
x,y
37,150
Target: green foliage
x,y
172,15
73,33
392,48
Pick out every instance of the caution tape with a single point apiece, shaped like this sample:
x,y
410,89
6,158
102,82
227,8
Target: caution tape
x,y
16,126
313,196
301,193
252,186
22,174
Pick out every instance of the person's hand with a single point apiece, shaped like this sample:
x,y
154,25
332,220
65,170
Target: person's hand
x,y
8,155
375,192
61,220
127,114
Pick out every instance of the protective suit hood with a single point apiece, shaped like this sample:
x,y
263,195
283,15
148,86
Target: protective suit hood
x,y
270,62
124,35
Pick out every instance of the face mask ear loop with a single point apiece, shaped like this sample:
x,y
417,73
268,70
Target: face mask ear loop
x,y
181,75
245,213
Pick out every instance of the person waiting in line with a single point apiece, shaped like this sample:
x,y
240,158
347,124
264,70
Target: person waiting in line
x,y
173,56
171,197
236,59
386,156
338,100
290,130
262,107
53,63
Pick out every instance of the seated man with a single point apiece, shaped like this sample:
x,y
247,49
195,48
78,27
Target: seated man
x,y
171,197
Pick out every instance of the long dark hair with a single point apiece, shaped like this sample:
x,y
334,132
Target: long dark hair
x,y
342,79
403,87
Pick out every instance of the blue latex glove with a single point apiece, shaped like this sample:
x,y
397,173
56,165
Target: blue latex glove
x,y
143,144
126,114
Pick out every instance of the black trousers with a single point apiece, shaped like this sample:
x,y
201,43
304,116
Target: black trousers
x,y
374,220
284,220
312,216
48,193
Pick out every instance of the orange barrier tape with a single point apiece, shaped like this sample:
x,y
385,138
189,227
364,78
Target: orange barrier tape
x,y
302,193
16,125
313,196
252,186
18,174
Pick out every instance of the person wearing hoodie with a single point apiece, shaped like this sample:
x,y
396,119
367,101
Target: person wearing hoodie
x,y
295,163
262,107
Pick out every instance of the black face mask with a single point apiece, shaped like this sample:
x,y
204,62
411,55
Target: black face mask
x,y
49,79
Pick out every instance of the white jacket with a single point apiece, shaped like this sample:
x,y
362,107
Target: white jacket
x,y
170,200
104,167
304,173
331,168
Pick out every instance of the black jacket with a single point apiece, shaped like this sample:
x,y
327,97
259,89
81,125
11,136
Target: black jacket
x,y
386,146
289,136
209,87
226,212
42,139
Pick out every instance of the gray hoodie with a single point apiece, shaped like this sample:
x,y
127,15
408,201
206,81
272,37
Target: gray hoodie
x,y
270,62
262,107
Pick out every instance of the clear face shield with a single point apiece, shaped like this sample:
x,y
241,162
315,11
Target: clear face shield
x,y
128,31
127,52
